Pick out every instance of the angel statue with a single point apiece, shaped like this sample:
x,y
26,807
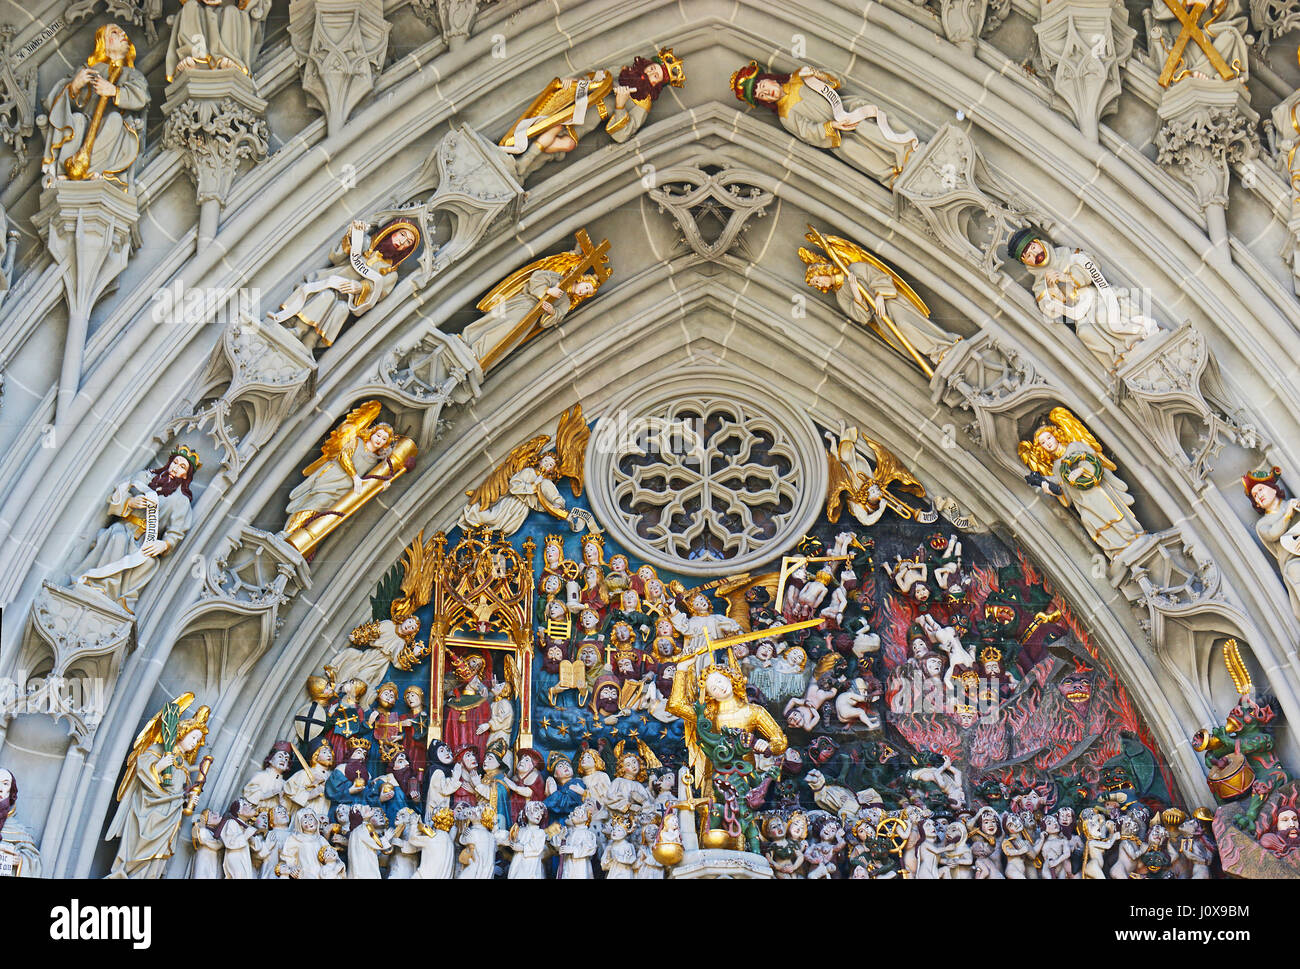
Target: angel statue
x,y
392,635
862,489
568,109
1069,285
1065,460
525,480
873,295
160,787
1278,527
358,460
216,34
88,135
365,272
535,298
151,513
808,104
722,752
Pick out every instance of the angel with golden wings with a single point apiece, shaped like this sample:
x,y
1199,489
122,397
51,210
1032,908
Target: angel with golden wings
x,y
873,295
569,108
1065,460
530,300
358,458
861,488
160,786
525,481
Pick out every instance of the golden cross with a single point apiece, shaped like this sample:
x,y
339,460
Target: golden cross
x,y
1190,18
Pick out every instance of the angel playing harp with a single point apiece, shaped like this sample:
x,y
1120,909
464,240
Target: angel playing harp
x,y
159,787
532,299
864,490
525,480
356,453
870,293
1065,460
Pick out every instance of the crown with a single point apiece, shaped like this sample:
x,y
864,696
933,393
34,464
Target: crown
x,y
1265,475
554,539
595,537
742,82
990,654
359,743
189,454
674,67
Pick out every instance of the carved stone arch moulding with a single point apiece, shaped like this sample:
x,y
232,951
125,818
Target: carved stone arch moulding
x,y
705,468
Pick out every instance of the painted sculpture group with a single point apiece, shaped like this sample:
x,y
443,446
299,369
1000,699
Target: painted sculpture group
x,y
898,693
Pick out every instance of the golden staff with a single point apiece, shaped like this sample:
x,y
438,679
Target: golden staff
x,y
875,308
78,166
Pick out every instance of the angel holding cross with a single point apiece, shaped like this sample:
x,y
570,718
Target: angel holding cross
x,y
535,298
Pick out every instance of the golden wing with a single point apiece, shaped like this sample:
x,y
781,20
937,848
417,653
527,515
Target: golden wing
x,y
497,483
1035,458
571,437
850,252
418,569
1073,429
512,675
342,441
148,736
514,284
890,470
840,485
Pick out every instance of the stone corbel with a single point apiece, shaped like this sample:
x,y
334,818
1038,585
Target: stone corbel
x,y
421,377
473,185
246,586
83,638
453,18
88,227
216,122
1177,589
257,375
1206,126
342,44
1082,44
997,384
948,190
1172,377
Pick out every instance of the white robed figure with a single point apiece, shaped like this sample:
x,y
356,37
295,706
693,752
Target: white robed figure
x,y
1068,462
437,848
542,282
300,854
217,34
525,481
808,104
700,626
1069,285
528,841
110,74
160,784
356,448
362,273
152,514
207,849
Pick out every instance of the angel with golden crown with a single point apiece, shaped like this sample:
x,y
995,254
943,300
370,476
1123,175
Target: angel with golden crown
x,y
873,295
535,298
359,459
161,785
363,272
525,481
569,108
1065,460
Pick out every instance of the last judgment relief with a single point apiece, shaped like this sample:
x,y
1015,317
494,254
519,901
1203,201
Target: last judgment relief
x,y
489,439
